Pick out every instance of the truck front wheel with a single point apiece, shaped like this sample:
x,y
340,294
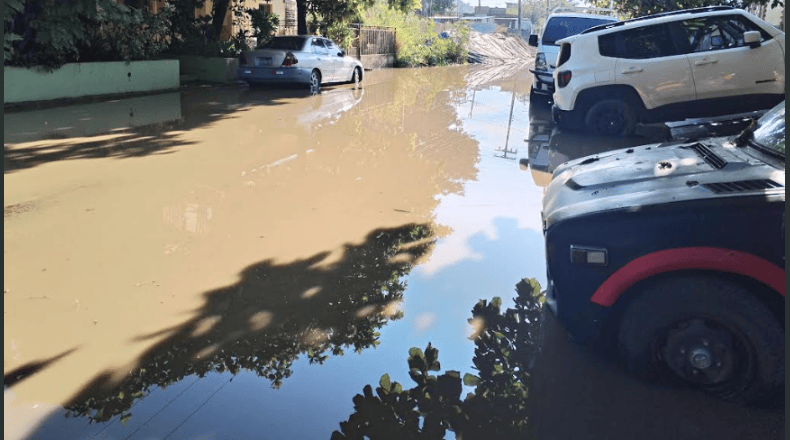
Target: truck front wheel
x,y
706,332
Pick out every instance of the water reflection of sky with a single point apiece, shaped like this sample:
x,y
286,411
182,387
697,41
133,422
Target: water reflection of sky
x,y
495,241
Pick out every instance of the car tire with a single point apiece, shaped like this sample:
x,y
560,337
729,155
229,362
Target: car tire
x,y
707,332
356,77
611,117
315,79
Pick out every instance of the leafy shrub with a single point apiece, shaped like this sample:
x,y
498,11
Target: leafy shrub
x,y
264,24
417,41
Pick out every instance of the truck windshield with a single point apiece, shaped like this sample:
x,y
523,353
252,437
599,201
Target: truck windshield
x,y
562,27
770,130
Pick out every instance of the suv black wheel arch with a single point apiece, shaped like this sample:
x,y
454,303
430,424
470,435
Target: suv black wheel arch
x,y
588,97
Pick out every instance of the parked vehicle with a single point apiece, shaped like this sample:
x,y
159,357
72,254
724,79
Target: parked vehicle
x,y
563,22
693,63
299,59
675,251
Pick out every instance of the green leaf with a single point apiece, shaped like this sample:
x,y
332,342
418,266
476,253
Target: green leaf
x,y
385,382
471,380
125,418
398,388
120,395
415,352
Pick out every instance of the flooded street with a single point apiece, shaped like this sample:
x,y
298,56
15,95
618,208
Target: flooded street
x,y
155,240
231,263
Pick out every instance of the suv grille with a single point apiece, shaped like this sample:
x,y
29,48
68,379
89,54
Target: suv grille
x,y
708,156
742,186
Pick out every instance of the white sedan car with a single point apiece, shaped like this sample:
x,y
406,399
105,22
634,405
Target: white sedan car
x,y
302,59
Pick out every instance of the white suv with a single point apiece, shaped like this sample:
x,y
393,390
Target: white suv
x,y
562,23
692,63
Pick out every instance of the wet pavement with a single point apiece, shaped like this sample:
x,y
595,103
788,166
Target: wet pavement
x,y
228,263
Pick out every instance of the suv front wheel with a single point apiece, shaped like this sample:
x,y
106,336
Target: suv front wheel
x,y
611,117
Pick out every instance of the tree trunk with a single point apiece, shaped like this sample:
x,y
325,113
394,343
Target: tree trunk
x,y
301,17
218,19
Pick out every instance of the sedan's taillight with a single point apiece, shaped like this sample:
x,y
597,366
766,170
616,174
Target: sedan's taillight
x,y
289,60
563,78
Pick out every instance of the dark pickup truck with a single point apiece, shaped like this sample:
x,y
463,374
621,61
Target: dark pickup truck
x,y
674,252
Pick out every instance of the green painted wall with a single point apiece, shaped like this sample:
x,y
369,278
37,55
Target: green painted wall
x,y
219,70
88,79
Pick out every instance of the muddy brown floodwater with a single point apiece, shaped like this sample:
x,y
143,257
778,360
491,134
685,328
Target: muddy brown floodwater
x,y
228,263
234,263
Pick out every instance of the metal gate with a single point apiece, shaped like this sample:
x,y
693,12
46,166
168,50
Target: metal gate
x,y
372,40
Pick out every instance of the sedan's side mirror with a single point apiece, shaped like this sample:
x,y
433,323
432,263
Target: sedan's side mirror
x,y
341,54
752,38
533,40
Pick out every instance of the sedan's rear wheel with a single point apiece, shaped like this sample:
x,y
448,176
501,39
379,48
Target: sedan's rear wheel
x,y
315,79
708,333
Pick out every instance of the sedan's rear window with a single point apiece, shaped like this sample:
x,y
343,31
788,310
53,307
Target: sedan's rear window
x,y
284,43
562,27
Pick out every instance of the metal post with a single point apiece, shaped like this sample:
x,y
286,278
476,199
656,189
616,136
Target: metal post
x,y
519,18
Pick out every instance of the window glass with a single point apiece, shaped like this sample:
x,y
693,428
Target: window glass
x,y
607,45
561,27
333,50
318,46
770,131
284,43
717,33
645,42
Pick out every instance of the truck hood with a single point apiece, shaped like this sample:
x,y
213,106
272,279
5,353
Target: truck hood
x,y
657,174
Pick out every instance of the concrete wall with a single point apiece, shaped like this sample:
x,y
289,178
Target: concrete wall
x,y
218,70
370,62
88,79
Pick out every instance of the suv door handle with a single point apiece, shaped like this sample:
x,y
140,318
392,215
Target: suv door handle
x,y
705,61
632,70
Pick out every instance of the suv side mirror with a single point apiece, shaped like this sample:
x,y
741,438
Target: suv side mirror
x,y
533,40
752,38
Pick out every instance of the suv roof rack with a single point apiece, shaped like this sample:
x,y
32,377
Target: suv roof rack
x,y
583,10
661,14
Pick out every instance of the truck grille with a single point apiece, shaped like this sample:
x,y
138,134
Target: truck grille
x,y
742,186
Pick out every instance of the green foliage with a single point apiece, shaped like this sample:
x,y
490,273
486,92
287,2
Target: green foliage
x,y
264,24
505,345
638,8
417,41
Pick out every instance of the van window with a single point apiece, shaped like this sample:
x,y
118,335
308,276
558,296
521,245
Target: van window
x,y
561,27
639,43
717,33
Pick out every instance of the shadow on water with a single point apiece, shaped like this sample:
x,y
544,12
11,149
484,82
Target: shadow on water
x,y
21,373
272,316
125,128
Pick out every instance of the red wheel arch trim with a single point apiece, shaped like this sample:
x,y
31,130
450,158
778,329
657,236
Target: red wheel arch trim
x,y
724,260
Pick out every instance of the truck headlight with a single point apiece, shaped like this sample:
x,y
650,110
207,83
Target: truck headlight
x,y
540,62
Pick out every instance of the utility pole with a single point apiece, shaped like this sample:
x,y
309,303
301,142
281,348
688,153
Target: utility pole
x,y
519,18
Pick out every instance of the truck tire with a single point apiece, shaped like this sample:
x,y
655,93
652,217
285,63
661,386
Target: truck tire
x,y
707,332
611,117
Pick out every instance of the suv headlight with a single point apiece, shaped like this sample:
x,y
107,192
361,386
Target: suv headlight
x,y
540,62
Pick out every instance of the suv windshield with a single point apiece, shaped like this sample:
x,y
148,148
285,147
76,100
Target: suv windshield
x,y
770,130
285,43
562,27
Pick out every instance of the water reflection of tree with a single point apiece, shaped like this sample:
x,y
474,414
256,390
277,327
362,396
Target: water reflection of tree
x,y
505,348
276,313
